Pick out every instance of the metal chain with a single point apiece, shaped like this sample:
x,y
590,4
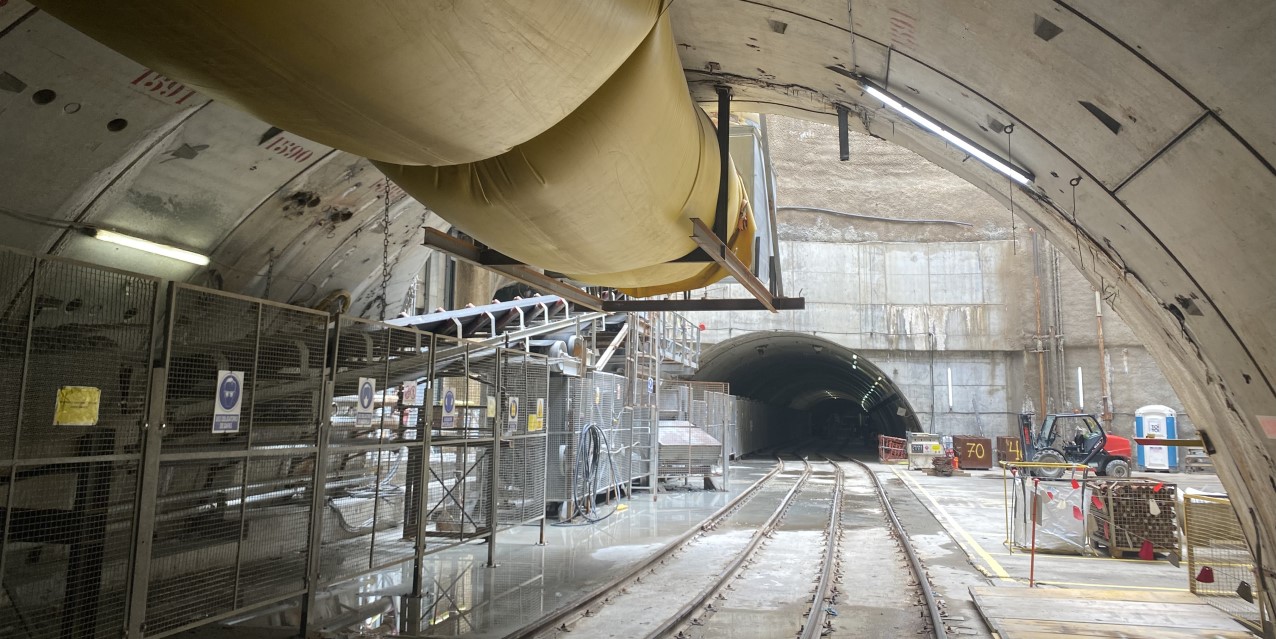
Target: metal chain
x,y
385,249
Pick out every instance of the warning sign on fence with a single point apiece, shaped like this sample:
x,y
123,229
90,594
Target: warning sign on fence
x,y
229,401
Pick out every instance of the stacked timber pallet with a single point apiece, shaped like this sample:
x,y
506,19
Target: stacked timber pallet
x,y
1124,514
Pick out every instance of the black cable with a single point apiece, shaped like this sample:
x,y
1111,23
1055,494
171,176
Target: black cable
x,y
586,474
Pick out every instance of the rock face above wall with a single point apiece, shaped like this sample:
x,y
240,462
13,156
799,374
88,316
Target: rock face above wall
x,y
881,179
919,299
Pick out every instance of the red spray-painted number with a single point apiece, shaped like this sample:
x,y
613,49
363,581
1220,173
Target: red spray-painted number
x,y
162,87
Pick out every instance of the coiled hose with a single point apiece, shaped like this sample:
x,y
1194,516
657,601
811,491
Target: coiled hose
x,y
594,464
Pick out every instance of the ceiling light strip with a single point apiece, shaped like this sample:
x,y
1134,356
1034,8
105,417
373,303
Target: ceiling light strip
x,y
150,247
903,108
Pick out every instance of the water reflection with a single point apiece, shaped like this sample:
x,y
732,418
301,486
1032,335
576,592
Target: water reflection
x,y
461,596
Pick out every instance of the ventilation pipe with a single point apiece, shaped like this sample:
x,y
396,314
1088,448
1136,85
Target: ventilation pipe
x,y
559,133
607,195
400,81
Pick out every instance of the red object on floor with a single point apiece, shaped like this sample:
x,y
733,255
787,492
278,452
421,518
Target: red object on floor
x,y
1145,551
1206,575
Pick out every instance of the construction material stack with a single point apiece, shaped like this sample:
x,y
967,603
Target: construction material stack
x,y
1136,516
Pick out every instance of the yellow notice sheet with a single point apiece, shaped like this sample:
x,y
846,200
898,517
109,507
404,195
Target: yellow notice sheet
x,y
77,406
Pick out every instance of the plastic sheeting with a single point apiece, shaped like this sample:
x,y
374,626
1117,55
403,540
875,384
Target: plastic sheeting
x,y
1061,522
401,81
609,190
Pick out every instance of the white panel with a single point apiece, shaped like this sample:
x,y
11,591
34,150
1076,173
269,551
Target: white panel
x,y
1211,201
60,154
1223,51
1041,82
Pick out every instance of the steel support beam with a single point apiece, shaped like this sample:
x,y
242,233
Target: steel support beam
x,y
725,258
473,254
724,161
683,306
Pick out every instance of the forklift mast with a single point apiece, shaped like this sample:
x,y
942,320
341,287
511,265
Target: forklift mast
x,y
1026,438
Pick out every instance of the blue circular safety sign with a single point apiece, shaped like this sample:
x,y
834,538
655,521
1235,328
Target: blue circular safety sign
x,y
365,395
449,401
228,392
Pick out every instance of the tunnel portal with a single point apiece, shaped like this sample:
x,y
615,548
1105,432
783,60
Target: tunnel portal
x,y
850,399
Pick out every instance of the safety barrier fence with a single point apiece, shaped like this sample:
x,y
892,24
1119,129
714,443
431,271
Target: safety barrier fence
x,y
172,456
891,449
1220,566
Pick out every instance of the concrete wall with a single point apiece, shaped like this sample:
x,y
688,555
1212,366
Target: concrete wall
x,y
920,298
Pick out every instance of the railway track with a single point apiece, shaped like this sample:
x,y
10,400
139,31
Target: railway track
x,y
765,565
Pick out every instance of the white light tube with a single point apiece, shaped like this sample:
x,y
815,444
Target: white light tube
x,y
1080,390
942,132
950,388
151,247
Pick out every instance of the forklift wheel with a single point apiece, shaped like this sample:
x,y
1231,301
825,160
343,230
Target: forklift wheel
x,y
1048,456
1118,468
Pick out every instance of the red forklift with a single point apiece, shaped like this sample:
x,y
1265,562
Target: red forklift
x,y
1074,438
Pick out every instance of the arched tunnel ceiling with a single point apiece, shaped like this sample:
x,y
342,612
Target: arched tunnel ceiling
x,y
797,371
1162,113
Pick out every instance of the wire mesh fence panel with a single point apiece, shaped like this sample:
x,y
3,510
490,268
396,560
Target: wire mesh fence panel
x,y
371,444
236,466
76,350
464,397
604,412
457,495
210,333
520,489
289,377
398,496
1220,567
67,550
193,558
562,436
623,445
16,283
643,440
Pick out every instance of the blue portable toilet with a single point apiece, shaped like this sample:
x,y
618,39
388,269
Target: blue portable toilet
x,y
1156,422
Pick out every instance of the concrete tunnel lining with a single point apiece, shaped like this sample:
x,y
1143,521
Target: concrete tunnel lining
x,y
809,373
1186,179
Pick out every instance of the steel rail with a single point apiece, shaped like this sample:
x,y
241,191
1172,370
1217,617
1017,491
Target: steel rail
x,y
814,618
690,608
580,606
923,584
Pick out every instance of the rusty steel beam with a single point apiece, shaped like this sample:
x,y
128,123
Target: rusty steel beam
x,y
705,238
474,254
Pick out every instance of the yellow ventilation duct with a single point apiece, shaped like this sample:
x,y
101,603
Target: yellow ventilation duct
x,y
405,81
607,195
558,132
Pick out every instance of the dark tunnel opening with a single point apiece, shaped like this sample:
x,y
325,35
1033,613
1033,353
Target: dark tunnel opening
x,y
849,399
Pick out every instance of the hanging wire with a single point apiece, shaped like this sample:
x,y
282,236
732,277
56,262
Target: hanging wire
x,y
1010,184
385,249
1077,227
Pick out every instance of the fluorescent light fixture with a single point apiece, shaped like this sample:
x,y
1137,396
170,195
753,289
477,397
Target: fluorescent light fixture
x,y
150,247
969,147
